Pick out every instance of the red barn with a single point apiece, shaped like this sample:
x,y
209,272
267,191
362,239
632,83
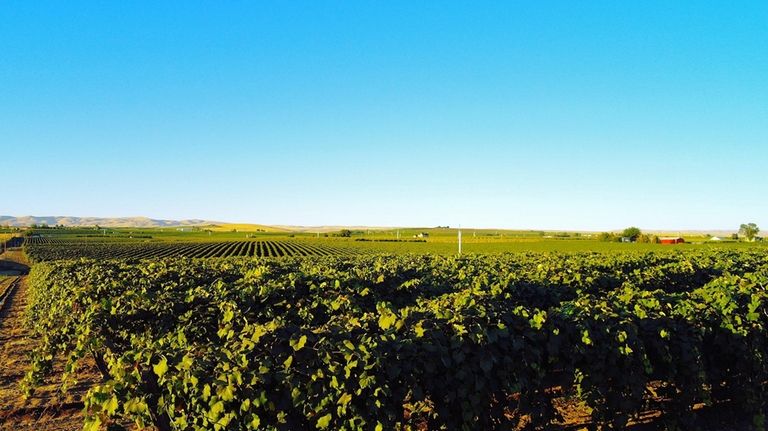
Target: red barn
x,y
676,240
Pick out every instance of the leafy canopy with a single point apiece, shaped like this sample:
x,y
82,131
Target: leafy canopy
x,y
632,233
749,230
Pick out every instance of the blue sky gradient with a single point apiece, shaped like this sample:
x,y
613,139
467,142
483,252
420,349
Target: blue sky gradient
x,y
547,114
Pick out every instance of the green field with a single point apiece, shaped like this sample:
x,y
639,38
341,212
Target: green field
x,y
46,244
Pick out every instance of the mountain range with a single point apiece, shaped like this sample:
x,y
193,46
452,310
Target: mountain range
x,y
101,221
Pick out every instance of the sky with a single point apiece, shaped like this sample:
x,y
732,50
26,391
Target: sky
x,y
511,114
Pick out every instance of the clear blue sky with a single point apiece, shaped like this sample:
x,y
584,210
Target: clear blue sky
x,y
538,114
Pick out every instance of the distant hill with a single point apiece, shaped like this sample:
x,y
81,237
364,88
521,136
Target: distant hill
x,y
249,227
244,227
321,229
101,221
148,223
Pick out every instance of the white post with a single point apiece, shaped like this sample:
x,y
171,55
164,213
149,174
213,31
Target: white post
x,y
459,240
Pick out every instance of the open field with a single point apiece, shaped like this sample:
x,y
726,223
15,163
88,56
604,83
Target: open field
x,y
227,232
245,227
50,244
538,245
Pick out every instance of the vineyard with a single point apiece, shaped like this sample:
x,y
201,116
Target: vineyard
x,y
46,249
10,241
407,342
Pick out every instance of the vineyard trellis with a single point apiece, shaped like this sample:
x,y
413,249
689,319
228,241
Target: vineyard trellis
x,y
46,249
388,342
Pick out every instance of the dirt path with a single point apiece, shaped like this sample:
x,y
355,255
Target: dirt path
x,y
47,409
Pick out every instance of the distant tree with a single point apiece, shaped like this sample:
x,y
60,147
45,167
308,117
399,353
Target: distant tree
x,y
648,239
749,230
345,233
606,237
734,236
632,233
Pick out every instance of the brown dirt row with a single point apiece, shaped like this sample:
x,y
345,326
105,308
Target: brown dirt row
x,y
47,409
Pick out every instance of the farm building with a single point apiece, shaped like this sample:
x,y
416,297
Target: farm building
x,y
674,240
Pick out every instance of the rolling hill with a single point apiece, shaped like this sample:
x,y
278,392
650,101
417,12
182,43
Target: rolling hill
x,y
101,221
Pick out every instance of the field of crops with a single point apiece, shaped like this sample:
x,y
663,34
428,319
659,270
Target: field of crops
x,y
408,342
46,249
40,240
10,240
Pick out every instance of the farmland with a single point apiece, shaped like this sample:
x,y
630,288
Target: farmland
x,y
380,330
353,342
384,216
53,244
58,250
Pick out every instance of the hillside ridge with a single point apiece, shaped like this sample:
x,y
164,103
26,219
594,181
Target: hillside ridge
x,y
101,221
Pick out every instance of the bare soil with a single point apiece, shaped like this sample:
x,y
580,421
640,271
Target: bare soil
x,y
48,408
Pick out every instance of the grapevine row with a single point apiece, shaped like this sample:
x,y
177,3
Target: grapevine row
x,y
150,250
407,342
41,240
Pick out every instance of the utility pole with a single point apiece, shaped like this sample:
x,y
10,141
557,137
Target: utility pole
x,y
459,239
